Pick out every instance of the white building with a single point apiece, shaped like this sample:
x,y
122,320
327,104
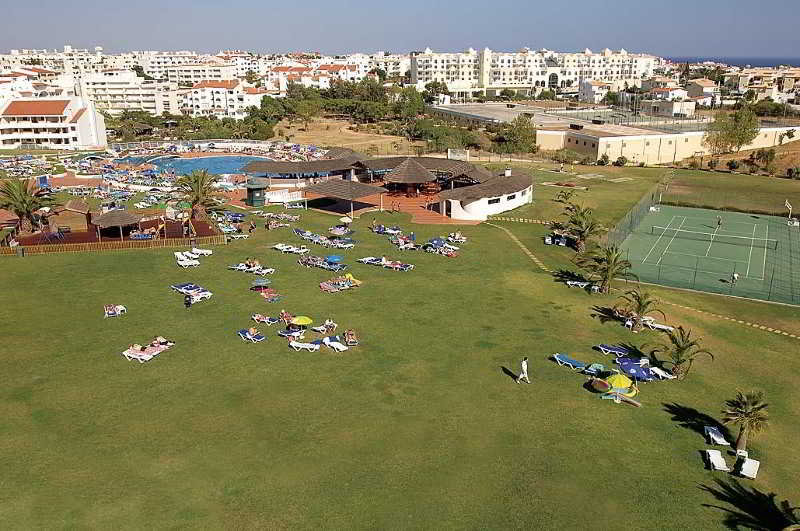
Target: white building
x,y
592,91
115,91
669,93
71,123
670,108
528,72
498,194
191,74
395,65
223,99
703,88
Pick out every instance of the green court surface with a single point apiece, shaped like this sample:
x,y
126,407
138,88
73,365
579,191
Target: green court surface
x,y
746,255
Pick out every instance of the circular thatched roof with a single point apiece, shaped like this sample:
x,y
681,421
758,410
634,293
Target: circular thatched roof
x,y
409,172
116,218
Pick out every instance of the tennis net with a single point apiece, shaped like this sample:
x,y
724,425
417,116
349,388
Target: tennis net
x,y
745,241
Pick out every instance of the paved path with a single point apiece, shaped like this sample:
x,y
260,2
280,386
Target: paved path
x,y
544,268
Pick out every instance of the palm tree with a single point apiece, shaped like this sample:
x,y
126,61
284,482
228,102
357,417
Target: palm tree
x,y
605,264
638,304
682,350
749,411
582,226
198,189
23,198
564,196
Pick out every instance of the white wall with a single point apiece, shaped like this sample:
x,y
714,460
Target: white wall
x,y
481,209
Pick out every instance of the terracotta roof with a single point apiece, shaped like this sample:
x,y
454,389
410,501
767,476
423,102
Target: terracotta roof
x,y
40,70
409,172
77,205
230,85
703,82
255,90
77,116
331,68
36,108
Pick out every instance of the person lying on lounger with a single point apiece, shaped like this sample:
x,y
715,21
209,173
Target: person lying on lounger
x,y
253,331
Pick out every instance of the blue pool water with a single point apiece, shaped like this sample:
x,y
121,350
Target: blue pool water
x,y
214,165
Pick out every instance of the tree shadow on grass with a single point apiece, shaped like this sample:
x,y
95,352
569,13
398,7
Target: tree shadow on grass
x,y
564,275
605,314
750,508
690,418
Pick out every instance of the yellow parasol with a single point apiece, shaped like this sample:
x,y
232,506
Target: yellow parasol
x,y
619,381
302,320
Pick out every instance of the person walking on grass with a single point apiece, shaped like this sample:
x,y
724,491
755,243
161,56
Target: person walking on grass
x,y
734,278
719,222
523,375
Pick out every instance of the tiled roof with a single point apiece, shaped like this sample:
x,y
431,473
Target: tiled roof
x,y
230,85
36,108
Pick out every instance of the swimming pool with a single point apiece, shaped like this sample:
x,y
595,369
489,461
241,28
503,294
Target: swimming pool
x,y
214,165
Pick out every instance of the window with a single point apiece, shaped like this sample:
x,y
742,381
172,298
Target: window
x,y
510,197
494,201
523,193
685,140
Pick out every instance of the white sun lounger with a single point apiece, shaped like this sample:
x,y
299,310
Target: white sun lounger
x,y
748,467
190,255
335,345
715,436
202,252
298,346
662,374
188,263
141,357
716,461
238,236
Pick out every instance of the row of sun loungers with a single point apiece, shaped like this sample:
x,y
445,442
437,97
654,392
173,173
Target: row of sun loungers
x,y
255,269
189,258
635,368
285,248
324,240
322,263
388,264
146,353
197,293
280,216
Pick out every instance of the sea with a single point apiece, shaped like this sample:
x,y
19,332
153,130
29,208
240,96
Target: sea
x,y
741,61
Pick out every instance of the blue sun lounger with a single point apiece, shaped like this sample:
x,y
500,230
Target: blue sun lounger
x,y
245,336
612,349
563,359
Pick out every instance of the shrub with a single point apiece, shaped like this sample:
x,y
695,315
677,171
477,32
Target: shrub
x,y
713,163
642,164
587,160
694,164
622,161
564,156
603,160
732,165
771,168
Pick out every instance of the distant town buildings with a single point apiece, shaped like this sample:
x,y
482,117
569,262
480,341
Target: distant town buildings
x,y
71,123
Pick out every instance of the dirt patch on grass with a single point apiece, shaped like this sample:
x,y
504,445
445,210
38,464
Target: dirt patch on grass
x,y
327,132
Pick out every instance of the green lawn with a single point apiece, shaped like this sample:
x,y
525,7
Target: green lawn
x,y
417,427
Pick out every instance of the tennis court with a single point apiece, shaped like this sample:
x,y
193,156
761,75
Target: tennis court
x,y
747,255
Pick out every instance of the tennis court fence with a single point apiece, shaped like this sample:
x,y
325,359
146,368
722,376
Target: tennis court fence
x,y
624,227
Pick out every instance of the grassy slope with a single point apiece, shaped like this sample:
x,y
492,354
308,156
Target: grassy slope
x,y
418,426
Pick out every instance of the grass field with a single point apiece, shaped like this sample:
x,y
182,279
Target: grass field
x,y
327,132
685,247
418,427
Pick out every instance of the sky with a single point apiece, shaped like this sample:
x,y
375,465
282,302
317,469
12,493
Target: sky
x,y
711,28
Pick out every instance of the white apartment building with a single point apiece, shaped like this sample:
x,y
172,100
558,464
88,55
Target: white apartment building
x,y
155,64
592,91
395,65
191,74
223,99
705,89
115,91
488,72
71,123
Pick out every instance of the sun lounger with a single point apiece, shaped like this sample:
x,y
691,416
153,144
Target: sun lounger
x,y
141,357
264,271
662,374
715,436
716,461
112,310
612,349
748,467
298,346
190,255
269,321
563,359
652,325
188,263
594,369
338,346
202,252
238,236
297,334
246,336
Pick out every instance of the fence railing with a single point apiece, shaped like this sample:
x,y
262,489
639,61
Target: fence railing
x,y
217,239
624,227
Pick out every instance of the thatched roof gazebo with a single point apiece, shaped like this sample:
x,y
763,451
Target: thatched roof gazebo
x,y
409,172
115,218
